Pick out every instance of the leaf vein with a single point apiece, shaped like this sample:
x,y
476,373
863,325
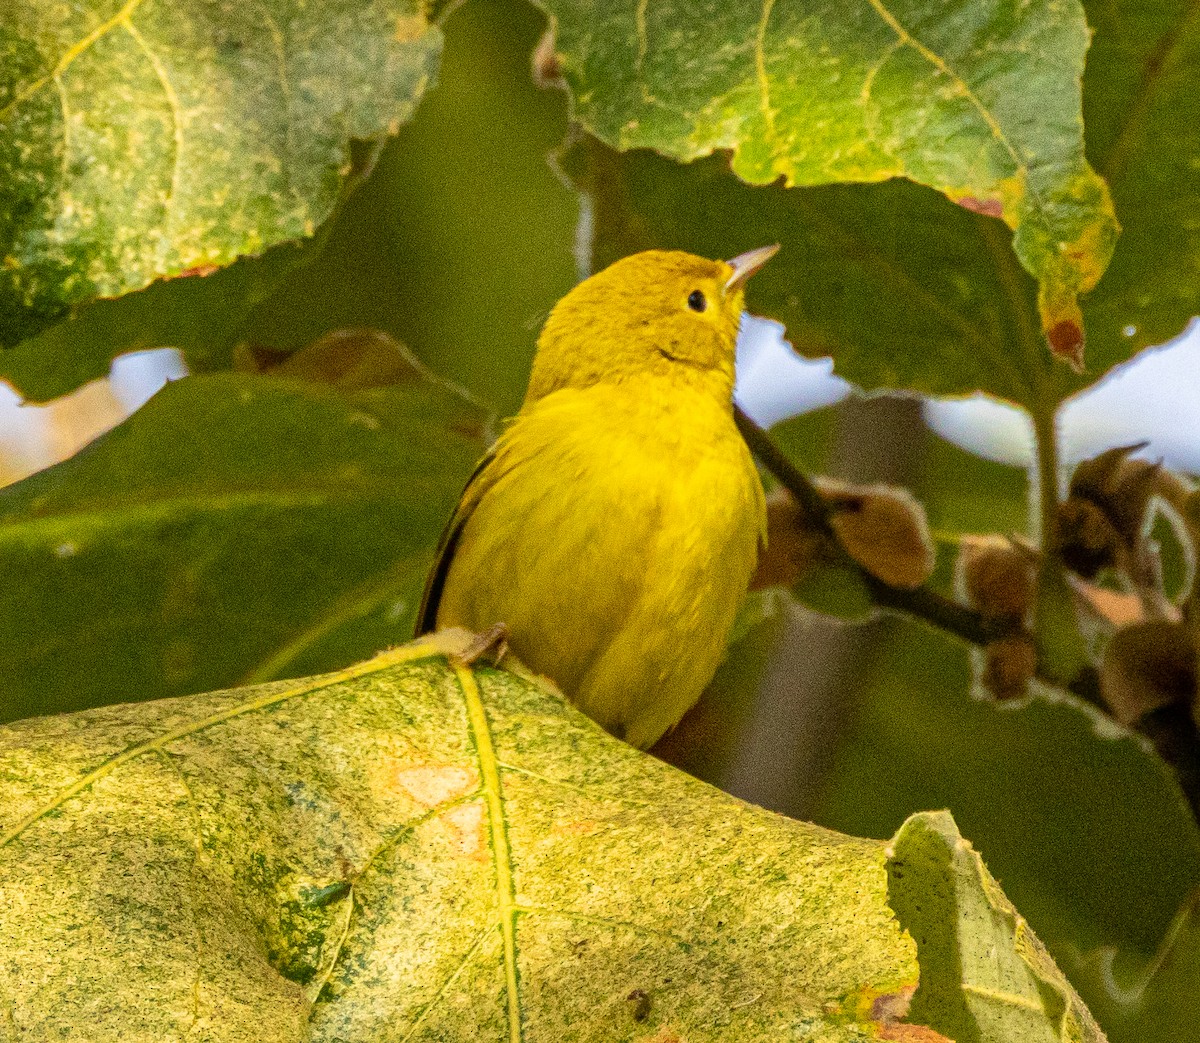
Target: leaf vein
x,y
69,56
313,991
450,980
489,775
173,103
942,66
764,85
407,654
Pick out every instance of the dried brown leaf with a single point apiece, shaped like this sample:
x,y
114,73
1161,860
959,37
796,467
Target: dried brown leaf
x,y
883,528
1148,665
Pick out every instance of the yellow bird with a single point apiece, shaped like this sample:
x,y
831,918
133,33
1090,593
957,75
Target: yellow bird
x,y
614,526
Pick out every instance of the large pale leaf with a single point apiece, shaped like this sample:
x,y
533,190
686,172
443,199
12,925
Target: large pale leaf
x,y
235,527
145,139
412,850
905,290
981,102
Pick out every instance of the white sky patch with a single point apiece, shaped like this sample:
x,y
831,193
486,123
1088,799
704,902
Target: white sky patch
x,y
36,436
1154,397
774,382
138,375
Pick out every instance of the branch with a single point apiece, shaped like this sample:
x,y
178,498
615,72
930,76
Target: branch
x,y
1170,729
795,481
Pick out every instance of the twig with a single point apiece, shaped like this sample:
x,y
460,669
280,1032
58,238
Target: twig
x,y
788,475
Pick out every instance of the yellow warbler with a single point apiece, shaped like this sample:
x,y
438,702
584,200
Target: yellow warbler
x,y
614,526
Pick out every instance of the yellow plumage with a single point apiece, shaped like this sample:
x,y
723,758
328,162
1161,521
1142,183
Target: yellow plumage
x,y
615,525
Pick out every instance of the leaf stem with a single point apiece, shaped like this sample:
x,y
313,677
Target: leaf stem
x,y
1062,650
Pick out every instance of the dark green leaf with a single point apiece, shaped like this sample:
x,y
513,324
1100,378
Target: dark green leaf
x,y
971,987
905,290
141,141
458,244
901,287
1148,998
1068,810
1143,136
235,526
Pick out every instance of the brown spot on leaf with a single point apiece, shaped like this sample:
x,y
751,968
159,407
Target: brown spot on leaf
x,y
1066,341
892,1006
990,207
639,1004
583,828
433,784
547,64
198,271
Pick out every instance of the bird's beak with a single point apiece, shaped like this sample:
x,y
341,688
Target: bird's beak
x,y
745,265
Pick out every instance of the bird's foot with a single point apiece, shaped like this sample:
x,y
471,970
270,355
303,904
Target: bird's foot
x,y
492,643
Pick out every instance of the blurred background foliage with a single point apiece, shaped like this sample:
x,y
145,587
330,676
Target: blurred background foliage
x,y
242,527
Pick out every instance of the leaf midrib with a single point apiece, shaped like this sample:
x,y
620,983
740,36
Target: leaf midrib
x,y
76,522
421,649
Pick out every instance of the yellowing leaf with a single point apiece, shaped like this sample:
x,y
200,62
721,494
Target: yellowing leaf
x,y
413,850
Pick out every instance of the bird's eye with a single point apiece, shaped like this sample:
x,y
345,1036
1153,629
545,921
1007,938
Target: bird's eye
x,y
697,301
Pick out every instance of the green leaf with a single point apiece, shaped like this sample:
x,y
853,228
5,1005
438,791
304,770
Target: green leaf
x,y
199,316
972,987
1142,78
1068,809
413,849
905,290
1149,999
902,288
462,236
236,526
980,103
142,141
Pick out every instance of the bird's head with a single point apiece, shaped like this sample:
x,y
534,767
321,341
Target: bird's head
x,y
658,312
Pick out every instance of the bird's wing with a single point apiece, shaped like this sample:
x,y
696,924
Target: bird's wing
x,y
479,482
